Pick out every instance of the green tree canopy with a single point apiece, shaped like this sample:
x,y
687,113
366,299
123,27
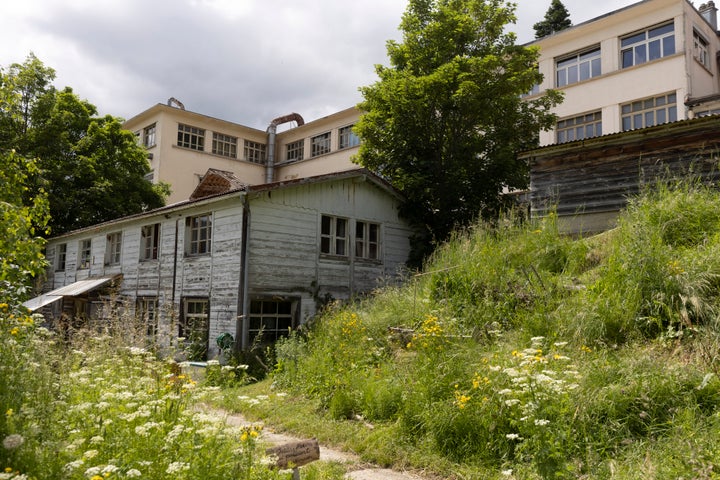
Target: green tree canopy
x,y
556,18
92,169
444,123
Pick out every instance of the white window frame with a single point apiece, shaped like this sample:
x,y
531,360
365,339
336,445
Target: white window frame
x,y
146,311
578,67
334,235
701,49
198,235
295,151
367,240
588,125
191,137
84,254
194,326
60,257
113,248
149,136
149,242
224,145
255,152
649,112
635,49
347,138
320,144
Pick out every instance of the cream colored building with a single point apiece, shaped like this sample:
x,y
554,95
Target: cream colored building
x,y
182,146
652,62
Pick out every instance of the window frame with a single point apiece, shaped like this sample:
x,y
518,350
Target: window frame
x,y
255,152
636,112
632,44
283,309
347,138
701,49
332,240
198,237
224,145
113,248
60,257
190,137
196,336
367,248
84,254
149,243
295,151
576,62
575,123
320,144
146,311
149,136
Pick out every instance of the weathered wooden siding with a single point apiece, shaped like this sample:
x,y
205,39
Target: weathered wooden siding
x,y
589,182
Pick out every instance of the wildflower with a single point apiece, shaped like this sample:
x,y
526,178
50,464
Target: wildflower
x,y
69,467
13,441
541,422
511,402
97,477
90,454
176,467
133,472
9,412
93,472
586,349
513,436
507,473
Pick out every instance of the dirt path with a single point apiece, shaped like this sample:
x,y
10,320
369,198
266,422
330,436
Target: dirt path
x,y
358,469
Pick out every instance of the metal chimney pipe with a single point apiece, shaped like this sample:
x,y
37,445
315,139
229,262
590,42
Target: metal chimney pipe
x,y
272,132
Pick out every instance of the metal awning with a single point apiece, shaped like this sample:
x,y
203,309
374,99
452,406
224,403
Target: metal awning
x,y
72,290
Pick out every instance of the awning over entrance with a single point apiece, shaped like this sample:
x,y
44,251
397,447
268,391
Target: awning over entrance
x,y
72,290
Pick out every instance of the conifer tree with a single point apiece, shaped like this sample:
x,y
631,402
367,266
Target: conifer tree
x,y
556,18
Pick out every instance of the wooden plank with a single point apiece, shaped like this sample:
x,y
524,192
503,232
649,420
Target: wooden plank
x,y
295,454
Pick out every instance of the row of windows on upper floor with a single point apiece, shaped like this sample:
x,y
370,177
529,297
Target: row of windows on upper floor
x,y
224,145
335,240
638,114
635,49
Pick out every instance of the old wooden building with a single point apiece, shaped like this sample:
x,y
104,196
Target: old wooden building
x,y
589,181
234,259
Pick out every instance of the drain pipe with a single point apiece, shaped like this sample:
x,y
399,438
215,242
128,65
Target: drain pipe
x,y
272,131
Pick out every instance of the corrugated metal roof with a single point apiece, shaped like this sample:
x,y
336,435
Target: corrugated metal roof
x,y
72,290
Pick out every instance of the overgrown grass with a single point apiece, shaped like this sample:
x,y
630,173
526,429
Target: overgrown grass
x,y
522,353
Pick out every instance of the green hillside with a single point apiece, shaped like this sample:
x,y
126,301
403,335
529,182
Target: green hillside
x,y
522,353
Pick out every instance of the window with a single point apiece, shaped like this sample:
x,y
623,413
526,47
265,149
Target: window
x,y
198,235
194,327
648,45
191,137
578,67
347,138
60,257
367,240
649,112
149,240
85,254
146,312
224,145
113,247
320,145
272,319
149,136
533,91
577,128
700,50
255,152
295,150
333,236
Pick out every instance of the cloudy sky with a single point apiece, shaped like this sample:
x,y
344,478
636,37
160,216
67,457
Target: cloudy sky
x,y
247,61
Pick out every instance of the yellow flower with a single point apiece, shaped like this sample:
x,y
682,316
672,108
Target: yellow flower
x,y
7,469
96,477
9,412
244,437
14,331
253,433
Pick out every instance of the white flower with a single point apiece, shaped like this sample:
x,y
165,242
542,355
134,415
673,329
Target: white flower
x,y
90,454
176,467
507,473
505,391
97,440
13,441
211,363
133,472
69,467
92,471
110,469
513,436
541,422
511,402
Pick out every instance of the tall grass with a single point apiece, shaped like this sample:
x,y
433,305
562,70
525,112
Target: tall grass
x,y
524,353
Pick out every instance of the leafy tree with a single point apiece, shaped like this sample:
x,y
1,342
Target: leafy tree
x,y
445,121
23,222
556,18
92,170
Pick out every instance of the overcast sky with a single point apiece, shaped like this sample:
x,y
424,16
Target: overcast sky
x,y
247,61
